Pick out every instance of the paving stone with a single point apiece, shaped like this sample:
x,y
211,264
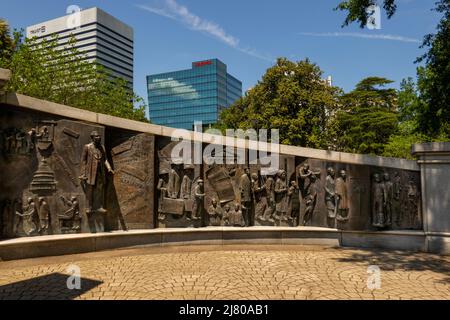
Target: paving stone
x,y
230,272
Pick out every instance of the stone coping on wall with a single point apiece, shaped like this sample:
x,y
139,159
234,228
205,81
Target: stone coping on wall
x,y
25,102
24,248
5,75
430,147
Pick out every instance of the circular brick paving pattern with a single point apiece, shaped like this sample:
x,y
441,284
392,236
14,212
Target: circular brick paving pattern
x,y
230,272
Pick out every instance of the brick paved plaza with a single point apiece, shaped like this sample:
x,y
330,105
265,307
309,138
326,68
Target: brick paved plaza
x,y
230,272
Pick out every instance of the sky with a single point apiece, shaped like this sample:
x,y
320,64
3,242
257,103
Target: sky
x,y
248,35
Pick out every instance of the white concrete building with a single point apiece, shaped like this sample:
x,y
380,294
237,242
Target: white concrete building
x,y
100,37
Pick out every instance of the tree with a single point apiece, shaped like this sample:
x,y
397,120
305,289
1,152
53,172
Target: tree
x,y
408,101
291,97
368,117
357,10
434,78
39,69
7,44
409,105
399,144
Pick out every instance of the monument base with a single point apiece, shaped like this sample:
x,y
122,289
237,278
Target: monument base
x,y
438,242
24,248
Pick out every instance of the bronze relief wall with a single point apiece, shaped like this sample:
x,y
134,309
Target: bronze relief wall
x,y
61,176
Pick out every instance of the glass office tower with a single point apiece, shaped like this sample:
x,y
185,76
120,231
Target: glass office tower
x,y
180,98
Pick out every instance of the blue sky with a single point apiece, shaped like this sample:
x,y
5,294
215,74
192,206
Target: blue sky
x,y
248,35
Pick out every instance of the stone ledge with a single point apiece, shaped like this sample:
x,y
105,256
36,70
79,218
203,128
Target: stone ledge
x,y
24,248
430,147
393,240
5,74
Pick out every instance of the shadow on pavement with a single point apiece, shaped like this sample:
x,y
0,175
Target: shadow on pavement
x,y
401,260
49,287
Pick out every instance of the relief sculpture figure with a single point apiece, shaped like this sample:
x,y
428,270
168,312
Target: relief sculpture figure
x,y
388,191
199,195
258,189
173,187
162,193
341,197
378,218
215,213
226,215
305,174
245,189
28,217
270,193
185,189
383,193
310,201
330,193
396,205
44,216
294,203
94,165
70,220
281,196
236,217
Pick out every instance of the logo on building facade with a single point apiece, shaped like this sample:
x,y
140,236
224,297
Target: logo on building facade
x,y
203,63
39,30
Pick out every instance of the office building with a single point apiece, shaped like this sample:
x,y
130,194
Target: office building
x,y
100,38
180,98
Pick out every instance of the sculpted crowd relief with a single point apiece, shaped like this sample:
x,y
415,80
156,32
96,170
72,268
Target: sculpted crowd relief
x,y
395,204
304,195
180,192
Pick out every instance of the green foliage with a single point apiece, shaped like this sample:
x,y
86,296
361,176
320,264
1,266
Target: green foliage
x,y
368,117
357,10
410,105
7,43
41,70
291,97
399,144
433,106
408,101
434,79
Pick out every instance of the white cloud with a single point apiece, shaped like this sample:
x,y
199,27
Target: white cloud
x,y
173,10
157,11
362,35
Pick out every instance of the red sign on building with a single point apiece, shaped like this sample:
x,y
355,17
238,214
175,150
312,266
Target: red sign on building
x,y
202,63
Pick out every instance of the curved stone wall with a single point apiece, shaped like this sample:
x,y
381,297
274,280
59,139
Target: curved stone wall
x,y
67,170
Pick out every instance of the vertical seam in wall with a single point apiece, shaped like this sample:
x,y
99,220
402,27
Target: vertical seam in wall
x,y
94,244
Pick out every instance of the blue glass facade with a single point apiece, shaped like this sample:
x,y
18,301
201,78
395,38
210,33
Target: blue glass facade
x,y
178,99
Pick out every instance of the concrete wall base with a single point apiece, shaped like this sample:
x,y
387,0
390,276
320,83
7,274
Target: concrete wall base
x,y
438,243
25,248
